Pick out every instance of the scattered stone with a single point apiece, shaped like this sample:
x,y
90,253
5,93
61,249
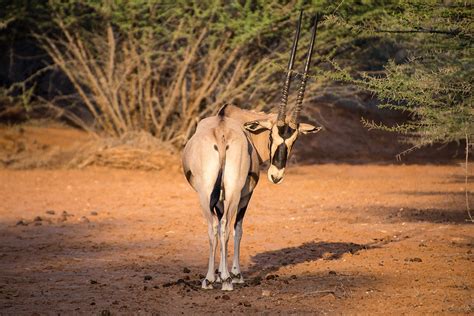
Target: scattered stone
x,y
256,281
50,212
84,219
38,219
115,302
226,297
105,312
93,303
266,293
187,278
147,277
202,276
93,282
247,304
94,213
293,277
271,277
145,288
286,282
416,259
22,223
156,286
332,272
186,270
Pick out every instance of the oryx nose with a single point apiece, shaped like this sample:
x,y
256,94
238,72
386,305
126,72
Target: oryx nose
x,y
275,179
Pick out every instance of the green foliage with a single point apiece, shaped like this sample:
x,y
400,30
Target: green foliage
x,y
434,82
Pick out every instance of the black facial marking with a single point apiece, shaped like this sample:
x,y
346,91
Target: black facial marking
x,y
280,156
215,148
285,131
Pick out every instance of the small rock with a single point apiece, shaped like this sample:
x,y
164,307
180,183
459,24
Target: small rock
x,y
93,281
186,270
332,272
247,304
256,281
156,286
145,288
105,312
266,293
293,277
270,277
147,277
94,213
187,278
50,212
21,223
413,259
84,219
226,297
38,219
93,303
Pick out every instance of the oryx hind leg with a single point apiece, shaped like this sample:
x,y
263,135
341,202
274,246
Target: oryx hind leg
x,y
235,272
230,207
212,230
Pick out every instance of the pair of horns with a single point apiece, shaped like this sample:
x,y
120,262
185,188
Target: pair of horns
x,y
286,87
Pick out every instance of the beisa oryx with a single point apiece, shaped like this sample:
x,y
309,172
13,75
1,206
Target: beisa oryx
x,y
222,160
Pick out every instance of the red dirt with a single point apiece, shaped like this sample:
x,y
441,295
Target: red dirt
x,y
336,239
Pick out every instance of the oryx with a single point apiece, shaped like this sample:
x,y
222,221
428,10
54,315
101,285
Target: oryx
x,y
222,159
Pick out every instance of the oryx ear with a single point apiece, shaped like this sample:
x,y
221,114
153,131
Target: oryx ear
x,y
304,128
258,126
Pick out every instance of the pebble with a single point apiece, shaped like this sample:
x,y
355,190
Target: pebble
x,y
84,219
38,219
147,277
186,270
226,297
50,212
21,223
332,272
94,213
266,293
93,281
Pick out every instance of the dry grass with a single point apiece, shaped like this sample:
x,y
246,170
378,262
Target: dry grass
x,y
26,147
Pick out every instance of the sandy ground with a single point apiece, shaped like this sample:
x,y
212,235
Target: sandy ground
x,y
332,239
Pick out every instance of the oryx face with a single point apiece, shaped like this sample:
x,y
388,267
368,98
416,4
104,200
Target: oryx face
x,y
281,139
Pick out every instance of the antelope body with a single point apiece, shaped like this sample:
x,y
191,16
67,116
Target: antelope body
x,y
222,160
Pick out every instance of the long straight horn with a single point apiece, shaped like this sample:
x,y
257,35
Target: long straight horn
x,y
286,87
299,98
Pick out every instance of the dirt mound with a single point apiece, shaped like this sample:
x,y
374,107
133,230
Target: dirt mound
x,y
24,147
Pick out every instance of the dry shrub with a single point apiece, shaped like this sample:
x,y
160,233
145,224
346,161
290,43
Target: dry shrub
x,y
29,147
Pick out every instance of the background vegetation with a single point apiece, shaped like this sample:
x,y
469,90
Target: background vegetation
x,y
115,67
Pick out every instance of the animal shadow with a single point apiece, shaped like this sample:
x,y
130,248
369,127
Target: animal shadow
x,y
271,261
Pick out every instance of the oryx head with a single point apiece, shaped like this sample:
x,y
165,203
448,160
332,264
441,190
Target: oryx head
x,y
285,130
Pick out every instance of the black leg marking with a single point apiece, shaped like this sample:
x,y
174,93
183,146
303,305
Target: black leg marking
x,y
189,176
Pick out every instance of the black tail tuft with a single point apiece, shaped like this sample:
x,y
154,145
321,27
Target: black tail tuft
x,y
215,197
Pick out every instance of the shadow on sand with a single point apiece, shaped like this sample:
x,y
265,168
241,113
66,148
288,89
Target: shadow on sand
x,y
270,261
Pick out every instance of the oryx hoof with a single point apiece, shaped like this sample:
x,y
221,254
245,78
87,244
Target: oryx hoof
x,y
237,278
227,285
207,285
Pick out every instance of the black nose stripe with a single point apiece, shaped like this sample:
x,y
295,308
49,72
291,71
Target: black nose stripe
x,y
280,156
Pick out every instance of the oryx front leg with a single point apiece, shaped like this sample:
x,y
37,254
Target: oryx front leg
x,y
235,272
